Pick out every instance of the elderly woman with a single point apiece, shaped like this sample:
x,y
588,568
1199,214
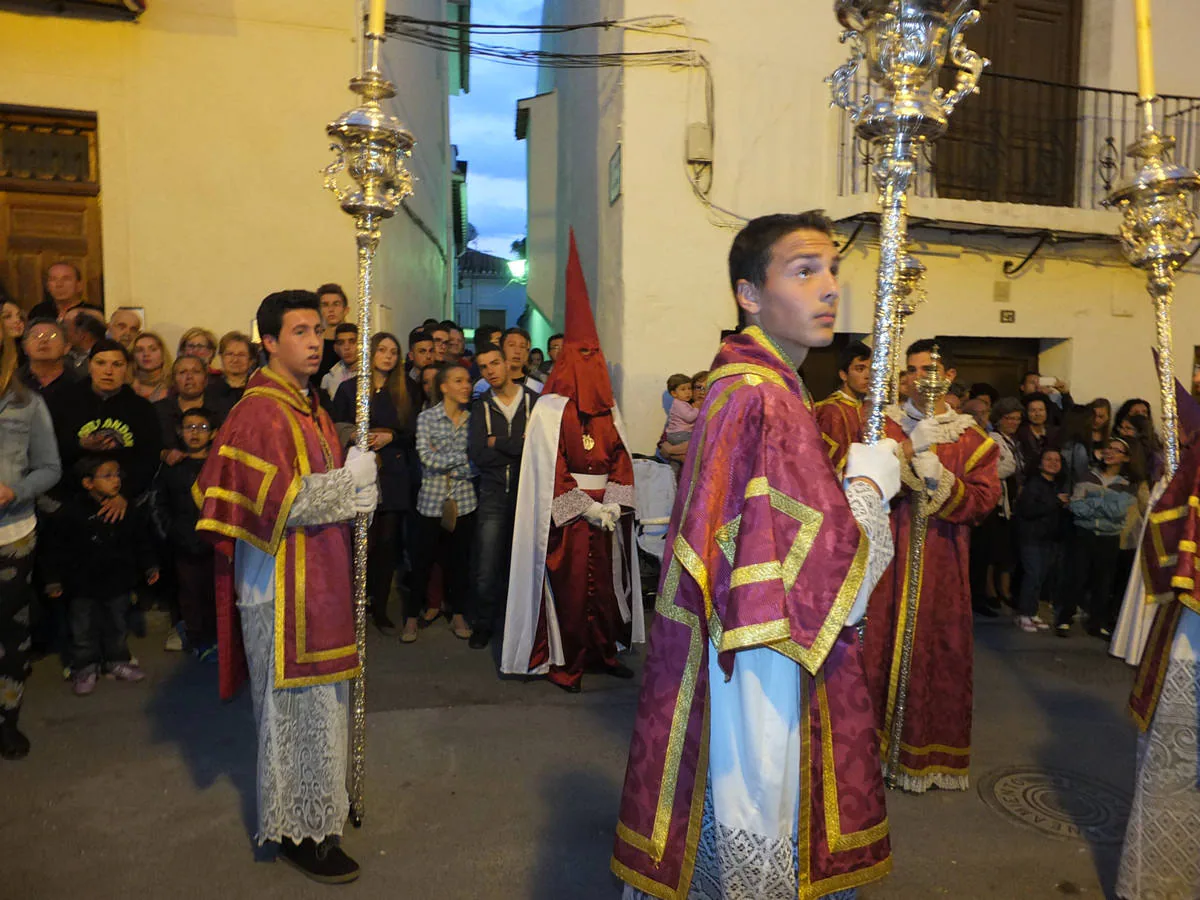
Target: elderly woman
x,y
201,343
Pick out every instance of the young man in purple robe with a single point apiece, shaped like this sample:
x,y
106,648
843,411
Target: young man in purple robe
x,y
753,771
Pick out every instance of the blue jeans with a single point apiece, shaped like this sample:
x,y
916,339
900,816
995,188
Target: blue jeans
x,y
494,520
1040,566
99,633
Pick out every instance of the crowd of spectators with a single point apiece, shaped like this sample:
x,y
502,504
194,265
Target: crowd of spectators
x,y
104,429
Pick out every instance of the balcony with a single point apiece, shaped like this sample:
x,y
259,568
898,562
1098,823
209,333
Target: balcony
x,y
1055,149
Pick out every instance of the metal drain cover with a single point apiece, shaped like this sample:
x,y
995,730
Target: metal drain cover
x,y
1062,804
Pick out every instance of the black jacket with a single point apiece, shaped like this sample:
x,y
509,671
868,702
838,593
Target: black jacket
x,y
93,558
1039,515
395,460
78,411
177,508
499,466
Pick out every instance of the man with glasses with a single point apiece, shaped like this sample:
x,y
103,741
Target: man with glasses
x,y
45,348
440,335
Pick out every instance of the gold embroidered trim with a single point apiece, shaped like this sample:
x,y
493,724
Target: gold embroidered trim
x,y
839,841
264,468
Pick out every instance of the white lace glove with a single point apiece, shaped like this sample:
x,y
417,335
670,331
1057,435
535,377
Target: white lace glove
x,y
613,512
928,468
595,515
923,436
878,464
362,467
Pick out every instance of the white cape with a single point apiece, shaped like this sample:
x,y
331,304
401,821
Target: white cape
x,y
528,586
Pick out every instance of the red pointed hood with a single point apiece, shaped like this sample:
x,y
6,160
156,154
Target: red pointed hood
x,y
580,372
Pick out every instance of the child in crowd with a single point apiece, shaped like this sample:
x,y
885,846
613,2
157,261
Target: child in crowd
x,y
193,557
1100,505
345,345
1042,521
98,564
681,419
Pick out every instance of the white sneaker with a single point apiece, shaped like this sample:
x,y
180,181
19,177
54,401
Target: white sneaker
x,y
1025,623
173,641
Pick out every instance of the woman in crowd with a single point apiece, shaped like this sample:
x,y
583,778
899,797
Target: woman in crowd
x,y
391,437
1076,439
201,343
29,466
446,502
1041,523
699,388
1100,507
1133,423
151,370
1035,433
237,358
12,317
190,380
994,557
1101,427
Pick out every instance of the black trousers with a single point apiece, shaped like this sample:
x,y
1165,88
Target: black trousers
x,y
16,592
1093,565
453,551
384,553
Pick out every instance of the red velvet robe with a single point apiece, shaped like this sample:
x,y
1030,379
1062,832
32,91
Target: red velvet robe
x,y
765,552
579,563
936,743
839,417
274,436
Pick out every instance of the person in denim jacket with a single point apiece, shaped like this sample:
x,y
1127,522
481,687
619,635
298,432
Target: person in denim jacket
x,y
29,466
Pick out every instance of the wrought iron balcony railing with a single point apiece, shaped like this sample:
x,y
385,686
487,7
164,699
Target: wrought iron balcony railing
x,y
1030,142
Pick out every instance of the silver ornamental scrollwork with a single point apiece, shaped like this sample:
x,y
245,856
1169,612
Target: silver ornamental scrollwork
x,y
841,81
970,65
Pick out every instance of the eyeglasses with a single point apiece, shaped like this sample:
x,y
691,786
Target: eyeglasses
x,y
197,345
43,335
197,427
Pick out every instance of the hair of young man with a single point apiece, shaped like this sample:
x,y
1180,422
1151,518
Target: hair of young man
x,y
1035,397
235,337
199,412
332,288
90,325
677,381
417,335
750,255
274,306
347,328
983,389
927,345
448,325
853,352
429,323
108,345
959,390
521,331
487,348
556,337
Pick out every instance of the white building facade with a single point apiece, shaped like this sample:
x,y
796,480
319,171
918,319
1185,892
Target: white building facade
x,y
656,166
207,124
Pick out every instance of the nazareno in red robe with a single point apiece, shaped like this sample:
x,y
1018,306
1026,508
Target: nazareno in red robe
x,y
579,556
274,436
935,748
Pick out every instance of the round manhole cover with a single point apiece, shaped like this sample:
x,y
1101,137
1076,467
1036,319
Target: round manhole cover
x,y
1062,804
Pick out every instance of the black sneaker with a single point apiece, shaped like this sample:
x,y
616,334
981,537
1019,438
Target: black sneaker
x,y
480,637
1063,630
13,744
384,625
325,862
982,609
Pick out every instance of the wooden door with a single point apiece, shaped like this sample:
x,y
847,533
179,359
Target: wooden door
x,y
1000,362
820,368
49,200
1015,141
39,230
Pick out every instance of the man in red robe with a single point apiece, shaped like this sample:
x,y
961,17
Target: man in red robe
x,y
573,592
753,770
275,499
840,415
949,467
